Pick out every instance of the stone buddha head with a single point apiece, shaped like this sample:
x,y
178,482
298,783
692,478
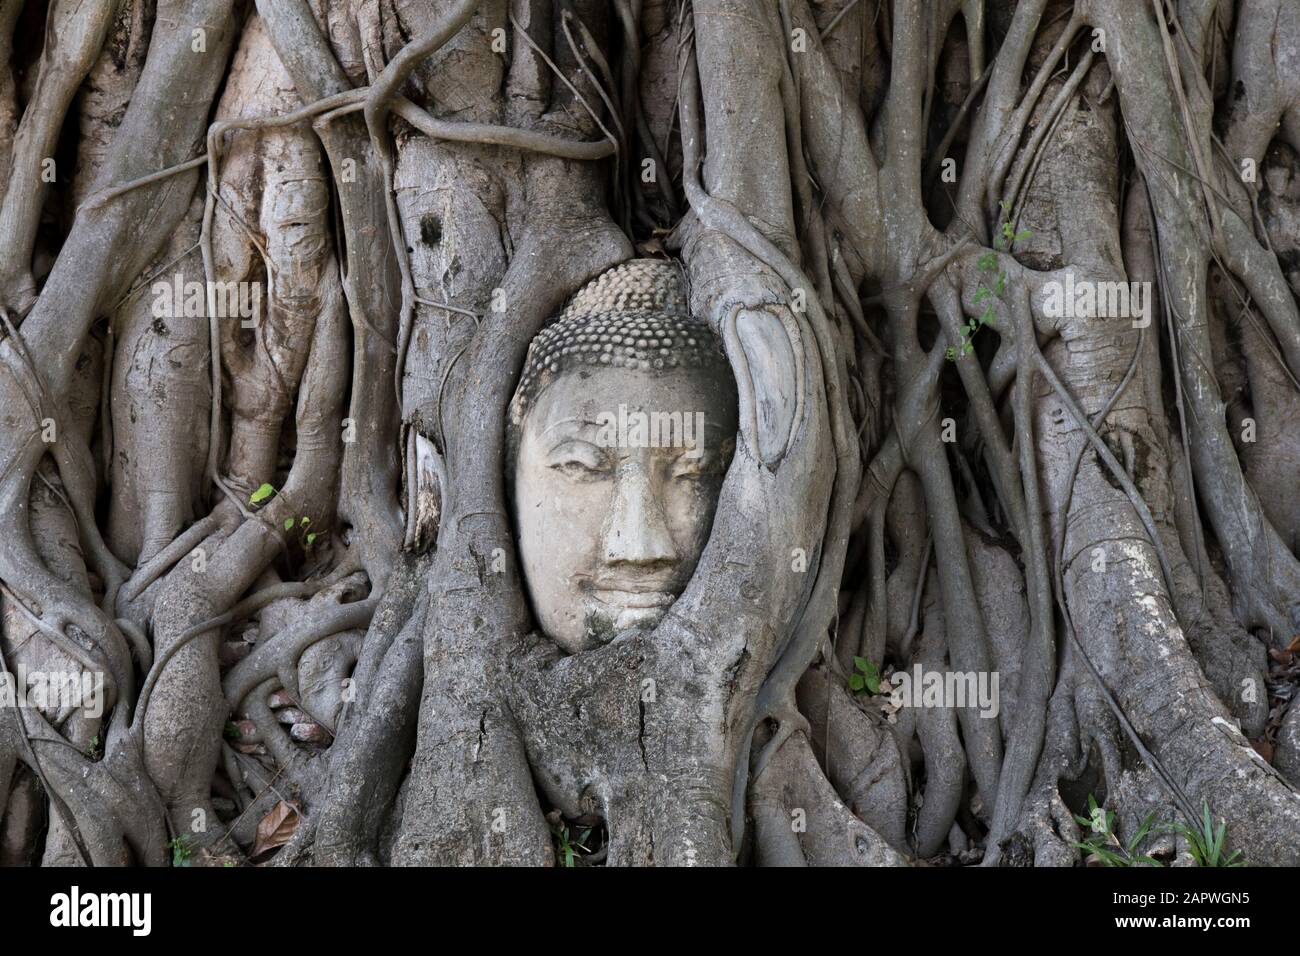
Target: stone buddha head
x,y
620,433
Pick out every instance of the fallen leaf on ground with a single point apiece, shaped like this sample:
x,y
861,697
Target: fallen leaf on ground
x,y
275,829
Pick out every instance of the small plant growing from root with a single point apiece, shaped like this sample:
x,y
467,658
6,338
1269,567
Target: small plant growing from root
x,y
265,491
1104,844
181,851
1204,842
865,677
1003,240
568,847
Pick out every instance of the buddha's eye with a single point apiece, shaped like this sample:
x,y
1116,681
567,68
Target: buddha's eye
x,y
577,470
711,461
685,468
579,460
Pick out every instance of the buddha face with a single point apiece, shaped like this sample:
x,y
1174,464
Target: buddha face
x,y
616,478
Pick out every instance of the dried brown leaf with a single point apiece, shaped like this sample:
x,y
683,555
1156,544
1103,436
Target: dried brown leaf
x,y
275,829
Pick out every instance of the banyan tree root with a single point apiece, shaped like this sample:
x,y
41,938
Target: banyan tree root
x,y
1008,295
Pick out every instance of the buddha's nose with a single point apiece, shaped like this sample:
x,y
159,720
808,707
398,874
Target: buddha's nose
x,y
636,531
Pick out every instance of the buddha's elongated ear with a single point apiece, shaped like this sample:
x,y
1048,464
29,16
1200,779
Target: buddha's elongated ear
x,y
769,379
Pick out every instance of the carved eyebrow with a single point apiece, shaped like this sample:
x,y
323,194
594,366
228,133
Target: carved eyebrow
x,y
711,455
571,420
576,442
718,436
582,423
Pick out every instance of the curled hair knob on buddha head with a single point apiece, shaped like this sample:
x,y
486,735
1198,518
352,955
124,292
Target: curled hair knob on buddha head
x,y
632,316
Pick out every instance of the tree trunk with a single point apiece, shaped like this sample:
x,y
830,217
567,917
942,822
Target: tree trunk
x,y
1004,561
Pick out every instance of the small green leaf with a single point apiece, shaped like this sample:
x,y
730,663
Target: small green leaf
x,y
288,524
981,294
950,354
311,537
305,521
857,682
987,261
261,494
1109,857
1143,829
870,674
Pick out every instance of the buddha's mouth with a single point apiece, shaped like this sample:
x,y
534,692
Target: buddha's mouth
x,y
624,608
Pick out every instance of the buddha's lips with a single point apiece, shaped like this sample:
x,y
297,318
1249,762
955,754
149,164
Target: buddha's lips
x,y
633,599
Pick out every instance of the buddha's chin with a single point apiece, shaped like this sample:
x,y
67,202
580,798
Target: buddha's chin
x,y
606,619
642,617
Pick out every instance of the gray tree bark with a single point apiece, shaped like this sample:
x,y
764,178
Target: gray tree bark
x,y
281,536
